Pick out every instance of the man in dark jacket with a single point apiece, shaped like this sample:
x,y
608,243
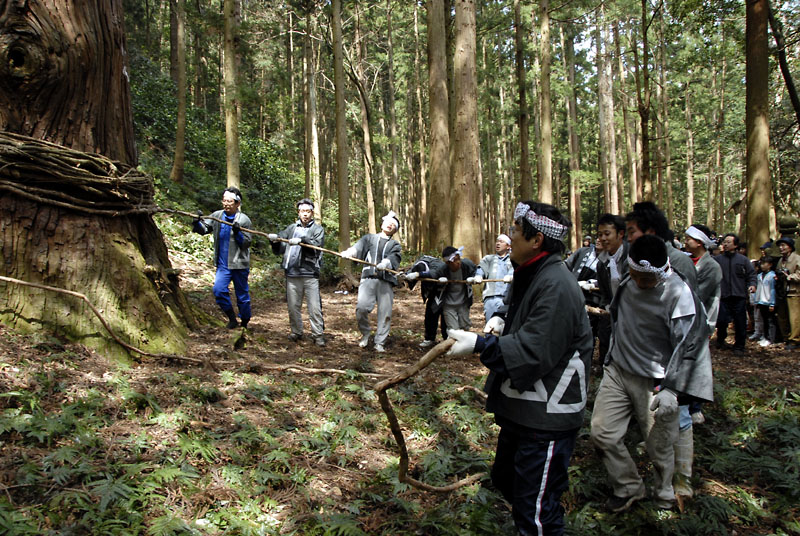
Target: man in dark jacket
x,y
428,290
539,370
301,266
231,254
738,280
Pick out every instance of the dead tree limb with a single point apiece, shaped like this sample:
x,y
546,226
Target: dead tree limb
x,y
380,389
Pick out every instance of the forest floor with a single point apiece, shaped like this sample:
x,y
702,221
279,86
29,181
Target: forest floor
x,y
88,446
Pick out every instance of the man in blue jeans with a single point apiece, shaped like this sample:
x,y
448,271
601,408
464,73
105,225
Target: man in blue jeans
x,y
231,254
738,280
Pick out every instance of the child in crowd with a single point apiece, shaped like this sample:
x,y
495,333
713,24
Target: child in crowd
x,y
765,300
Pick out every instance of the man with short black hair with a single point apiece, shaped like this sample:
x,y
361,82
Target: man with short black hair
x,y
612,265
496,266
539,366
738,279
302,267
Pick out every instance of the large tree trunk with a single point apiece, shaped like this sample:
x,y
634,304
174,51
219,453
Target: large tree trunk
x,y
394,202
627,130
359,80
757,126
312,167
231,94
74,92
642,70
574,150
689,158
439,103
466,165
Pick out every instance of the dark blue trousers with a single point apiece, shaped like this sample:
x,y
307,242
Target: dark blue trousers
x,y
223,296
732,308
530,470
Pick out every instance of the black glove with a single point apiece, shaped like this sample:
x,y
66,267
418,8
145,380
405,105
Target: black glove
x,y
236,227
199,217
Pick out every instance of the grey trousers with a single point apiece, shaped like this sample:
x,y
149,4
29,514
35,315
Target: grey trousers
x,y
620,396
456,316
370,292
296,287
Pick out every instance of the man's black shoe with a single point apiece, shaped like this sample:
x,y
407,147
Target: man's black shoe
x,y
620,504
739,351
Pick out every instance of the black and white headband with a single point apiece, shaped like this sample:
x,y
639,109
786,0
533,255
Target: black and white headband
x,y
230,195
547,226
661,272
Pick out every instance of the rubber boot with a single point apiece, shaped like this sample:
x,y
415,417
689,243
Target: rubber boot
x,y
232,322
684,455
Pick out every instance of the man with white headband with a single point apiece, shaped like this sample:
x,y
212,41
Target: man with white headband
x,y
301,266
497,266
231,254
658,323
377,284
539,370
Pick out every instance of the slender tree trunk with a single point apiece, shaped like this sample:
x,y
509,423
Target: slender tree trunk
x,y
231,93
780,42
718,173
627,131
643,102
395,190
670,210
173,41
176,175
290,69
75,93
526,186
313,179
467,169
608,147
759,192
689,157
439,103
341,132
546,141
422,217
572,138
363,99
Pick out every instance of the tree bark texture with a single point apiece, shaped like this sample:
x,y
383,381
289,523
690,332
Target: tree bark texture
x,y
231,94
341,132
176,175
439,106
545,117
525,185
759,192
63,78
573,146
466,165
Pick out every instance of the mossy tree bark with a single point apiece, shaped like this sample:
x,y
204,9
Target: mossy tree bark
x,y
63,79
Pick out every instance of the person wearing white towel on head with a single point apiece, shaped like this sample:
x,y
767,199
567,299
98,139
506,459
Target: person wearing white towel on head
x,y
377,284
497,266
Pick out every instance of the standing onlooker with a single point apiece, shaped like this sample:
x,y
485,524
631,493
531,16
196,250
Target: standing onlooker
x,y
789,272
497,266
538,380
301,266
612,265
738,278
377,285
765,300
656,321
231,254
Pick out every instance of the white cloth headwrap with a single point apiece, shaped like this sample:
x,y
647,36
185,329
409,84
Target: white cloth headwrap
x,y
231,195
391,216
504,238
697,234
548,227
662,272
458,252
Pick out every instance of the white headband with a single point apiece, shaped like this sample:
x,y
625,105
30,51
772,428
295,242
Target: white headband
x,y
504,238
697,234
458,252
547,226
230,195
662,273
391,216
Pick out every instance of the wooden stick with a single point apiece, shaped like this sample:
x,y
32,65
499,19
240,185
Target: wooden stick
x,y
394,425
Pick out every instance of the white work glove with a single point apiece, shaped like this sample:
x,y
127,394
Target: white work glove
x,y
665,403
508,278
495,326
412,276
465,342
470,280
383,265
272,237
294,241
478,279
585,285
349,253
443,279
